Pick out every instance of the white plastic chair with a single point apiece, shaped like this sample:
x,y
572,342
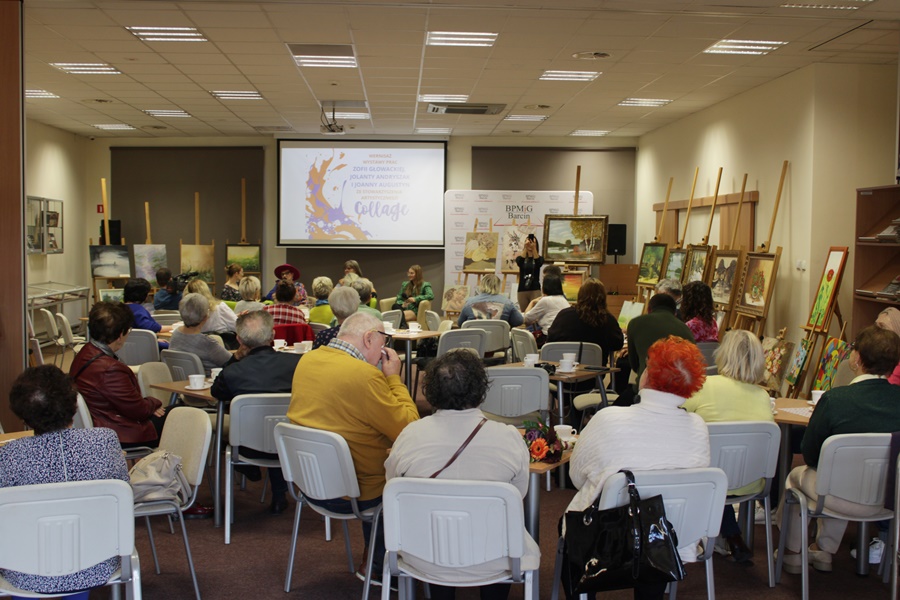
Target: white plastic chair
x,y
166,317
319,464
393,316
252,425
708,349
56,529
523,343
83,420
693,499
471,338
459,525
852,467
591,354
70,341
497,337
747,451
141,346
432,320
53,334
317,327
187,434
517,394
182,364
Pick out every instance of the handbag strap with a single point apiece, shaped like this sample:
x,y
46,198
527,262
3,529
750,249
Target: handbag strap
x,y
461,448
580,349
634,511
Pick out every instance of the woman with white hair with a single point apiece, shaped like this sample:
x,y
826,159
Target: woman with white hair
x,y
251,290
490,304
734,395
344,301
321,312
889,319
194,310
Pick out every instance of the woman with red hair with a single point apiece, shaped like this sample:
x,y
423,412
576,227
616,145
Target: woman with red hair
x,y
653,434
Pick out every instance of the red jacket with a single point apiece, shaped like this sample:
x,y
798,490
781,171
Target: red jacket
x,y
113,396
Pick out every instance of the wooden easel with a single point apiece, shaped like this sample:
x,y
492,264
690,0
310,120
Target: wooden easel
x,y
720,306
106,281
814,335
687,218
197,238
644,291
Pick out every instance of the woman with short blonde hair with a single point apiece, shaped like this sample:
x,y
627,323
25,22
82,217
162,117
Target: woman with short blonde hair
x,y
251,290
321,312
221,317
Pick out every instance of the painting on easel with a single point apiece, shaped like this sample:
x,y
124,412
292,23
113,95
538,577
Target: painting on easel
x,y
110,261
245,255
675,264
696,263
570,238
835,351
756,284
513,242
571,283
651,264
455,298
828,285
200,258
724,276
481,251
777,352
149,258
793,374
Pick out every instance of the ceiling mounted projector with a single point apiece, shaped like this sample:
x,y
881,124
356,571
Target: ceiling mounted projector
x,y
332,129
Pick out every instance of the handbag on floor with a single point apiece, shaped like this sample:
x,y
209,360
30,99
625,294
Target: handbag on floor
x,y
620,547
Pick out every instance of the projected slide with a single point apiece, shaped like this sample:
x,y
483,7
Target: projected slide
x,y
361,194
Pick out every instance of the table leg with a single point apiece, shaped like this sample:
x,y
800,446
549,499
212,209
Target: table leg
x,y
562,421
532,506
217,487
408,361
784,458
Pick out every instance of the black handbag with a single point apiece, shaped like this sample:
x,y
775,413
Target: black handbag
x,y
620,547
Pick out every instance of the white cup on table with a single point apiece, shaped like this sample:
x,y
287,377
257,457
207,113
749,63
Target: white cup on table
x,y
213,373
414,327
388,326
305,346
566,365
531,359
565,432
569,356
197,381
815,395
279,344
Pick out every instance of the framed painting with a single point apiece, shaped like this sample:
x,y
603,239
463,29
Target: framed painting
x,y
245,255
756,283
455,298
570,238
652,258
724,275
199,258
513,242
695,264
675,264
793,374
110,261
629,311
777,353
480,253
149,258
828,287
571,283
835,351
112,295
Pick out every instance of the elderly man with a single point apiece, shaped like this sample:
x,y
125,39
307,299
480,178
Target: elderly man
x,y
344,301
257,369
339,388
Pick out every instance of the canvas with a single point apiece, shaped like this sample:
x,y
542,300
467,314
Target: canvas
x,y
757,280
828,286
629,311
110,261
481,251
651,264
675,264
245,255
793,374
835,351
200,258
777,353
723,276
696,263
571,238
149,258
513,243
571,283
455,298
112,295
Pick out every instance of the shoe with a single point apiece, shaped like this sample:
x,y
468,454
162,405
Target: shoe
x,y
759,516
721,547
739,550
251,472
198,511
876,551
376,578
819,559
279,504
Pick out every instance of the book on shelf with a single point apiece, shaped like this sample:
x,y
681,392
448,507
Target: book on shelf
x,y
891,290
889,234
869,293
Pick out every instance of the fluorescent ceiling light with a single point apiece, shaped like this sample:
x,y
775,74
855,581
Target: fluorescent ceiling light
x,y
443,98
167,113
236,95
434,130
569,75
755,47
39,94
87,68
459,38
341,62
589,132
350,115
113,127
652,102
525,118
167,34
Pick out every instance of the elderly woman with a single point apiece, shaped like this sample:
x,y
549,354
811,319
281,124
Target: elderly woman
x,y
589,321
109,386
194,309
870,404
221,318
134,295
290,274
655,434
250,288
344,301
321,312
697,312
890,319
45,399
231,290
490,304
734,395
542,311
455,385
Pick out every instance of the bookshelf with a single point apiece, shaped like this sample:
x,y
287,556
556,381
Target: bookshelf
x,y
876,264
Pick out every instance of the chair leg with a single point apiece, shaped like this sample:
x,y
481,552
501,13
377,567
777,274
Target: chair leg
x,y
557,568
386,582
152,544
347,547
115,593
262,499
710,580
769,564
804,547
368,583
673,588
133,587
229,495
862,548
547,477
187,550
327,529
294,532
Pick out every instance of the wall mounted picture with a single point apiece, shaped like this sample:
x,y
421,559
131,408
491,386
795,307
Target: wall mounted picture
x,y
481,251
724,276
652,258
513,243
200,258
149,258
246,255
571,283
675,264
793,374
778,354
110,261
835,351
756,283
695,266
455,298
571,238
112,295
828,287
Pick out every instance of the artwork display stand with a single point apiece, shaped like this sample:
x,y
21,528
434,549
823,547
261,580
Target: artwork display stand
x,y
105,282
726,307
212,282
756,321
507,272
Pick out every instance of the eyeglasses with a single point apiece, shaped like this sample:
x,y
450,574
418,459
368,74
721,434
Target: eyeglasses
x,y
387,337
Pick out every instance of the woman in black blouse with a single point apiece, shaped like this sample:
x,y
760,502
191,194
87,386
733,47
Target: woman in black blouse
x,y
530,262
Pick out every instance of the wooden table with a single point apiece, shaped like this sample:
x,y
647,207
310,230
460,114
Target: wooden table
x,y
409,337
785,420
532,506
14,435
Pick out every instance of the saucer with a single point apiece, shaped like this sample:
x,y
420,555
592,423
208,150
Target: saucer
x,y
205,386
558,370
810,402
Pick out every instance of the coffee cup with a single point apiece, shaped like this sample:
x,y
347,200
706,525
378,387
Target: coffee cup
x,y
197,381
279,344
569,356
213,373
388,326
566,365
415,327
530,361
815,395
772,405
533,357
305,346
298,347
565,432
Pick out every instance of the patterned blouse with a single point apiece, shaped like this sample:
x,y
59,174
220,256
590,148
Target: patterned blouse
x,y
703,332
231,293
324,337
65,455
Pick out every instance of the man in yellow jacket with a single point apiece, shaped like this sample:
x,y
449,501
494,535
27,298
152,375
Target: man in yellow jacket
x,y
340,388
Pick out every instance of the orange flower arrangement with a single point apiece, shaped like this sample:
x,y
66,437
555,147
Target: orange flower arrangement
x,y
539,449
542,443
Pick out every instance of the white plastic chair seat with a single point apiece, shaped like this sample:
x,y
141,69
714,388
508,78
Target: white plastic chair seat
x,y
523,343
517,394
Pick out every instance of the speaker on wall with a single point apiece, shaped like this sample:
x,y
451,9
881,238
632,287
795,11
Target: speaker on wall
x,y
615,242
115,233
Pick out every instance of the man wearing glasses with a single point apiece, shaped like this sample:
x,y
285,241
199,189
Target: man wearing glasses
x,y
340,388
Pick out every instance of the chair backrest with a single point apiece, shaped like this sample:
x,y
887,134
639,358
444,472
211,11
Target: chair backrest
x,y
56,529
82,418
453,523
154,372
253,420
393,316
318,461
523,343
317,327
446,325
693,498
432,320
50,324
475,339
65,329
141,346
707,349
164,317
746,450
516,391
294,332
498,333
181,364
854,467
591,354
187,433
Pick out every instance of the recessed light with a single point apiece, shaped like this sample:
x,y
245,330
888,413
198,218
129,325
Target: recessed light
x,y
589,132
340,62
443,97
236,95
351,115
167,113
87,68
525,118
754,47
459,38
167,34
434,130
113,126
569,75
652,102
590,55
39,94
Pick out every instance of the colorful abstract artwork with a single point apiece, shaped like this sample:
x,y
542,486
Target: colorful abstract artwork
x,y
835,351
481,251
199,258
828,285
513,242
148,258
796,368
571,283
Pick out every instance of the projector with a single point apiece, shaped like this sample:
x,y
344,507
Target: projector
x,y
332,129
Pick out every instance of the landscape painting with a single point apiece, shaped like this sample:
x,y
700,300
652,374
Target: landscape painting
x,y
200,258
245,255
675,264
571,283
696,263
723,276
110,261
793,374
148,258
569,238
651,264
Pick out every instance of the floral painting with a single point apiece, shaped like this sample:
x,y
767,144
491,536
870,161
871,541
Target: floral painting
x,y
793,374
480,253
835,351
777,354
149,258
200,258
828,285
756,283
651,264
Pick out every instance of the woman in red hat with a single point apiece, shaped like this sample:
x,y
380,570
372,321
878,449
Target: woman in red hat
x,y
291,274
